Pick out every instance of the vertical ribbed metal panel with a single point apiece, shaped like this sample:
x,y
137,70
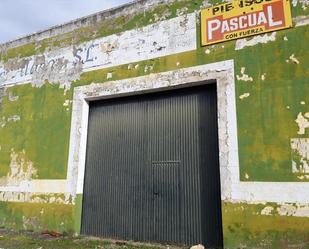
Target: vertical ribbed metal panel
x,y
114,169
152,171
211,218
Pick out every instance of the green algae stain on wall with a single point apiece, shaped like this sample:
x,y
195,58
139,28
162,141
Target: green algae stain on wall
x,y
264,131
266,125
36,217
18,52
245,227
103,28
277,92
78,213
41,130
276,98
120,24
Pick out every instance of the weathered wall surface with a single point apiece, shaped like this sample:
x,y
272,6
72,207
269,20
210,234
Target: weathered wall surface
x,y
38,75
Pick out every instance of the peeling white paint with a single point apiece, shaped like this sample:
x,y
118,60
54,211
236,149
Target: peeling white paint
x,y
245,95
304,3
13,98
30,187
302,122
243,76
62,66
297,210
205,4
109,45
182,11
300,157
259,39
67,102
302,211
3,122
286,210
13,118
38,197
20,185
21,169
263,76
148,68
301,21
267,210
293,59
303,177
109,75
161,17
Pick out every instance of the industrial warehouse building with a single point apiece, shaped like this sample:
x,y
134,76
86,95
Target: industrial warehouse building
x,y
179,122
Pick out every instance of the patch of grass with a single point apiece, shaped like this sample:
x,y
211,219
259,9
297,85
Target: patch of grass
x,y
10,240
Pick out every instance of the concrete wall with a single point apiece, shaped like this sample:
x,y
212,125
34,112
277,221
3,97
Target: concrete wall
x,y
150,44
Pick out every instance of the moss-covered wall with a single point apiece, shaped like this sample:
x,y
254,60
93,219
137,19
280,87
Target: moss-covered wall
x,y
42,131
245,227
37,217
35,121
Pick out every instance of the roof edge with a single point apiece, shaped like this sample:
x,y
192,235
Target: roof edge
x,y
134,7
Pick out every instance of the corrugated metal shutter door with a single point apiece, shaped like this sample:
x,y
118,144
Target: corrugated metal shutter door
x,y
152,170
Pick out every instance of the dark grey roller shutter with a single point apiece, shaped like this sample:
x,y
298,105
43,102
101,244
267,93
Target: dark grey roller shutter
x,y
152,169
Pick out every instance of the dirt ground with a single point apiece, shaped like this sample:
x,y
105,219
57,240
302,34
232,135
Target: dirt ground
x,y
30,240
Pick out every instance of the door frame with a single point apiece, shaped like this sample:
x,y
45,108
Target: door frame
x,y
221,73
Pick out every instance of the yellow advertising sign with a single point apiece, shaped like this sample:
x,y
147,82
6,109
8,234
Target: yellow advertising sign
x,y
242,18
